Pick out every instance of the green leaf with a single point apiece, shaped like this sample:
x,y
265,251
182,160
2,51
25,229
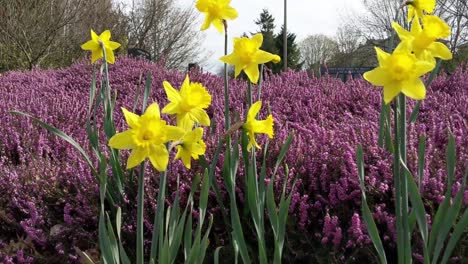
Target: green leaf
x,y
421,159
188,233
204,196
415,112
92,93
83,255
449,219
216,255
61,135
118,223
238,234
412,221
366,214
440,217
137,94
146,92
417,203
382,118
204,243
114,247
177,237
458,231
158,224
283,151
450,161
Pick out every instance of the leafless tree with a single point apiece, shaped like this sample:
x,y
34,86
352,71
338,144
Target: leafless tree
x,y
48,33
348,38
169,32
455,13
374,24
30,28
316,49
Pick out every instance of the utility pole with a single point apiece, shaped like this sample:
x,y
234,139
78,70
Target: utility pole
x,y
285,39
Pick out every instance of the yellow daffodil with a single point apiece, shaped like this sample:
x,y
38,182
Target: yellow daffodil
x,y
146,138
191,146
423,40
399,72
216,11
188,103
247,56
97,42
417,7
253,126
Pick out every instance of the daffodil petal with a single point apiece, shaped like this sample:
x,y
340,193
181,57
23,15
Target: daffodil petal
x,y
110,56
254,109
428,5
382,56
174,133
105,36
377,76
185,121
184,155
171,108
200,116
136,157
94,36
230,59
152,111
218,24
422,67
198,149
197,133
206,24
252,72
90,45
264,57
172,94
123,140
265,126
390,91
229,13
131,118
96,55
257,39
253,141
113,45
159,157
439,50
185,87
414,89
416,27
403,34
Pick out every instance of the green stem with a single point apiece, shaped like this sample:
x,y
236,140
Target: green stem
x,y
397,183
404,183
157,235
249,95
140,216
226,84
260,83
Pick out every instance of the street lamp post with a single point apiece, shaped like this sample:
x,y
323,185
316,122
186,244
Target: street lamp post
x,y
285,39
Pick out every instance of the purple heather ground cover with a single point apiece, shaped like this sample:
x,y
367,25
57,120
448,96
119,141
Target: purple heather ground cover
x,y
49,199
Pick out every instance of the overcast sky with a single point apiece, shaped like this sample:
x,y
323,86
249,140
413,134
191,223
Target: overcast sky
x,y
305,17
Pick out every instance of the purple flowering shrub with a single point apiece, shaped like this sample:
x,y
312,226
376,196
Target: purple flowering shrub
x,y
49,199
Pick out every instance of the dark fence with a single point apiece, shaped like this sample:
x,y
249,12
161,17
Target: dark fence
x,y
345,73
